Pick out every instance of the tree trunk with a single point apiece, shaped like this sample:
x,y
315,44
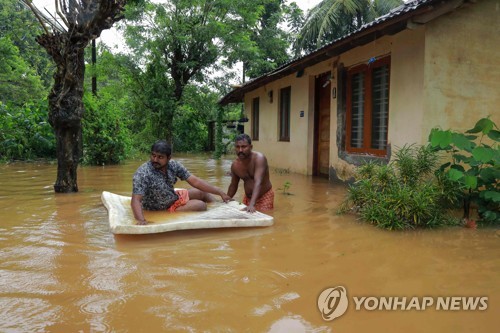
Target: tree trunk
x,y
65,115
68,155
79,23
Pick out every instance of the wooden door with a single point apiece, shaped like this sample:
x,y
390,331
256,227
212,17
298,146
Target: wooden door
x,y
322,96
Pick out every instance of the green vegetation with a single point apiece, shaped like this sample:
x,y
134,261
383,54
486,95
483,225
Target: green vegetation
x,y
401,195
25,133
473,169
166,86
414,190
285,188
332,19
106,138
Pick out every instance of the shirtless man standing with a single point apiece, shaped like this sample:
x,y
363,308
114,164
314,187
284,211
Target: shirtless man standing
x,y
251,166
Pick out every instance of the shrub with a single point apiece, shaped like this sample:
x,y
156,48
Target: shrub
x,y
106,139
25,133
473,168
400,195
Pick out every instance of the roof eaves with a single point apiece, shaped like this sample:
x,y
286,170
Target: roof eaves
x,y
390,23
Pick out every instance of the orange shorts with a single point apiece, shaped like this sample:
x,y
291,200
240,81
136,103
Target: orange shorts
x,y
265,202
183,199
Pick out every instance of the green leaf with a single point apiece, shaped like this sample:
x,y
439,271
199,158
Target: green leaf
x,y
490,195
483,154
458,167
444,166
484,125
494,135
489,216
461,158
461,141
440,138
455,175
489,175
471,181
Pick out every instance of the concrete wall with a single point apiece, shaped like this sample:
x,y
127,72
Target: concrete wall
x,y
462,67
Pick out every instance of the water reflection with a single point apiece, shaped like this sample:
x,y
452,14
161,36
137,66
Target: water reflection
x,y
63,271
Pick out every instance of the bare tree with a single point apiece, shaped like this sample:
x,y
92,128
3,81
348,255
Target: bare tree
x,y
75,24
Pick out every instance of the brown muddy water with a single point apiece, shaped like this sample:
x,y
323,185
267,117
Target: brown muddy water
x,y
61,270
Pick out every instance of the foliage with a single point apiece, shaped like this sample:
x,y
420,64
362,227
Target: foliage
x,y
176,44
25,133
268,47
198,106
400,195
106,138
19,83
20,27
332,19
155,104
474,167
219,146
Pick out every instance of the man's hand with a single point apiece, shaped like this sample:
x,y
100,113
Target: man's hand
x,y
225,197
142,222
250,209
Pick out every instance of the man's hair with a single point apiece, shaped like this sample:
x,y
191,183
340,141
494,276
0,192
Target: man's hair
x,y
162,147
241,137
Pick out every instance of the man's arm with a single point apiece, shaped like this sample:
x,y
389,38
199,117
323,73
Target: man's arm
x,y
233,187
259,172
206,187
137,209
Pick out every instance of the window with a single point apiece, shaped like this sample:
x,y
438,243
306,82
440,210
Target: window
x,y
368,108
255,119
284,115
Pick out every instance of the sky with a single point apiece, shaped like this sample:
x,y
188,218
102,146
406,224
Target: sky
x,y
113,38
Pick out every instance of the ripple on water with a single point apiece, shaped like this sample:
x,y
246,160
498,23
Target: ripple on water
x,y
277,302
296,324
183,304
26,314
258,282
100,303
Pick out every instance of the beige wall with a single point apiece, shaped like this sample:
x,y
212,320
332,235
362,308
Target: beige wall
x,y
445,73
406,93
281,154
295,155
406,90
462,67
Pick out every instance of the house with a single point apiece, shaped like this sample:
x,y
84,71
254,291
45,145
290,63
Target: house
x,y
425,64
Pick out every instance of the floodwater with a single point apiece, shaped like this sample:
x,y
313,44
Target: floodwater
x,y
61,270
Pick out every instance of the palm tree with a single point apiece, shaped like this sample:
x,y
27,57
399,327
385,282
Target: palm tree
x,y
332,19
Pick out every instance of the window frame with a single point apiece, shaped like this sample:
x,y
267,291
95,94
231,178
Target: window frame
x,y
284,114
367,69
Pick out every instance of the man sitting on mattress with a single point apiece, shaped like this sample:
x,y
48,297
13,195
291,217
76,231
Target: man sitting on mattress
x,y
153,186
251,166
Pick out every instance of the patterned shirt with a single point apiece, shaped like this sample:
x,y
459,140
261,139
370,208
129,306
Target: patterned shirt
x,y
157,188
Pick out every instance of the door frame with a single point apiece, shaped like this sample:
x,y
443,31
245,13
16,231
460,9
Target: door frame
x,y
319,80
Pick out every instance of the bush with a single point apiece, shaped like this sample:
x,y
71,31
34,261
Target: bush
x,y
474,167
401,195
25,133
190,130
106,138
